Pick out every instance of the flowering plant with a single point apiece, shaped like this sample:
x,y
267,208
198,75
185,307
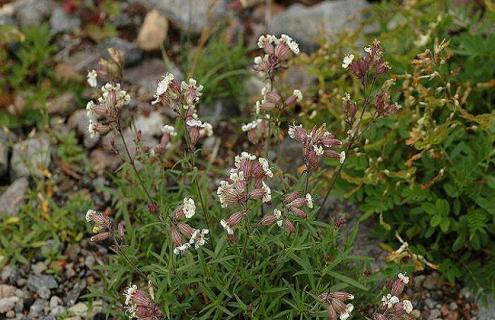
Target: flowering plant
x,y
273,258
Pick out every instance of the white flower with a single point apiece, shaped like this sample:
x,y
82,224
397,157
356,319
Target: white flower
x,y
266,39
236,176
293,46
220,192
407,305
342,157
367,50
347,313
189,207
243,156
347,60
203,125
258,60
309,198
298,94
278,214
162,87
292,130
181,249
251,125
92,128
89,110
169,129
347,97
257,107
198,238
319,150
90,214
226,227
389,301
267,197
266,167
403,278
128,293
91,78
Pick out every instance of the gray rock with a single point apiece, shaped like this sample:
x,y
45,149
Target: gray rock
x,y
150,127
7,291
41,284
220,109
55,301
57,311
308,24
298,77
131,51
38,308
32,12
30,156
75,292
63,22
190,15
39,267
147,74
80,121
83,60
90,261
62,105
79,309
6,20
487,310
9,274
12,198
7,304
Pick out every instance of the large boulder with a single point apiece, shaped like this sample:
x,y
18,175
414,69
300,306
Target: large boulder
x,y
31,13
30,157
12,198
308,24
189,15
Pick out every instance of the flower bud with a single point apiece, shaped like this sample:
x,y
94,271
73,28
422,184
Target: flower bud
x,y
235,218
268,220
100,236
185,229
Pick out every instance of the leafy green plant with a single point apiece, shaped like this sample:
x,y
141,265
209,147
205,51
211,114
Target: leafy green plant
x,y
428,172
41,221
249,252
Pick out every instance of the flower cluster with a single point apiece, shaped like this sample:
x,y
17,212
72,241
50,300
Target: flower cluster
x,y
293,202
183,97
139,305
180,229
104,227
170,91
391,305
277,51
246,182
196,129
256,130
105,114
336,304
316,144
372,61
167,133
383,105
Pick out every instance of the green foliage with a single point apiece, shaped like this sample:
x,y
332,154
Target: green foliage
x,y
429,171
267,273
221,67
41,221
33,56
